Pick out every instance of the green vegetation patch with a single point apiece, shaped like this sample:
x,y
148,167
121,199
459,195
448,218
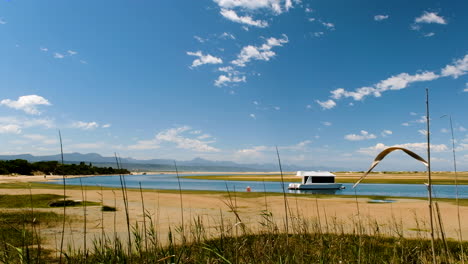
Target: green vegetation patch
x,y
106,208
38,201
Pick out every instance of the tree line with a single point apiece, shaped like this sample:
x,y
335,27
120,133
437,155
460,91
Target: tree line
x,y
23,167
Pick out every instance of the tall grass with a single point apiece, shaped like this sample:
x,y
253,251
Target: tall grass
x,y
232,239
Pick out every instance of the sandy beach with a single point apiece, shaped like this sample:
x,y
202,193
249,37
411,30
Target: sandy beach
x,y
409,216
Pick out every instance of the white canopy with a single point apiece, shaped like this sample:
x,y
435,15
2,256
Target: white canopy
x,y
315,173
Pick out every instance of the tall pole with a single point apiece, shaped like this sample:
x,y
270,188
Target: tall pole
x,y
429,181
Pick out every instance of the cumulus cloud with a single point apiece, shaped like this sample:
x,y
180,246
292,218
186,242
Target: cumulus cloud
x,y
380,17
26,103
430,17
417,147
10,129
226,35
23,122
386,133
457,69
430,34
401,81
203,59
58,55
246,20
85,125
225,80
329,25
329,104
200,39
263,52
71,52
362,136
176,136
276,6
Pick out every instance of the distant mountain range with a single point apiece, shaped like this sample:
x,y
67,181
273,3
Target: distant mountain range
x,y
196,164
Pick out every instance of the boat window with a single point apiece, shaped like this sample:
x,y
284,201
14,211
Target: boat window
x,y
323,179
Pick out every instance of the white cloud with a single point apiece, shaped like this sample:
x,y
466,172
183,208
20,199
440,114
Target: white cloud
x,y
386,133
311,19
402,81
276,6
430,34
380,17
224,80
2,21
226,69
430,17
328,25
226,35
10,129
203,59
462,129
41,139
72,52
308,106
457,69
253,116
362,136
200,39
405,124
444,130
106,125
308,10
85,125
26,122
329,104
417,147
58,55
318,34
262,52
43,49
175,135
422,132
247,20
326,123
466,87
26,103
413,113
277,108
204,136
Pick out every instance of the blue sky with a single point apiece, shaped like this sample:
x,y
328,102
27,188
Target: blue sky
x,y
331,83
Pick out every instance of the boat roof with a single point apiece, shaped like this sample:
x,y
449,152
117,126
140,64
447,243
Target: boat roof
x,y
315,173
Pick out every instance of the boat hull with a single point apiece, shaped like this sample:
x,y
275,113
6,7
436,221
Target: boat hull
x,y
315,186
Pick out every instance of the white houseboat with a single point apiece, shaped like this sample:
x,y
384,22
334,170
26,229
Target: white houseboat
x,y
316,180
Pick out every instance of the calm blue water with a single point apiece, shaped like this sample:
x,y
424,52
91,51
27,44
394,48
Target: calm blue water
x,y
169,182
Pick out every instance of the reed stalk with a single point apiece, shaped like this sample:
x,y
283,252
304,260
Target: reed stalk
x,y
124,197
284,194
429,179
181,202
64,202
460,235
83,197
144,218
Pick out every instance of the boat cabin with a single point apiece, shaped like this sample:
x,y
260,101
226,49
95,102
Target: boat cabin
x,y
311,177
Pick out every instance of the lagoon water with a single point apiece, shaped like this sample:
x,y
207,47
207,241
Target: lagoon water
x,y
169,182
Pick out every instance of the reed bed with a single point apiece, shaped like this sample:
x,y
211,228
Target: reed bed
x,y
227,238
